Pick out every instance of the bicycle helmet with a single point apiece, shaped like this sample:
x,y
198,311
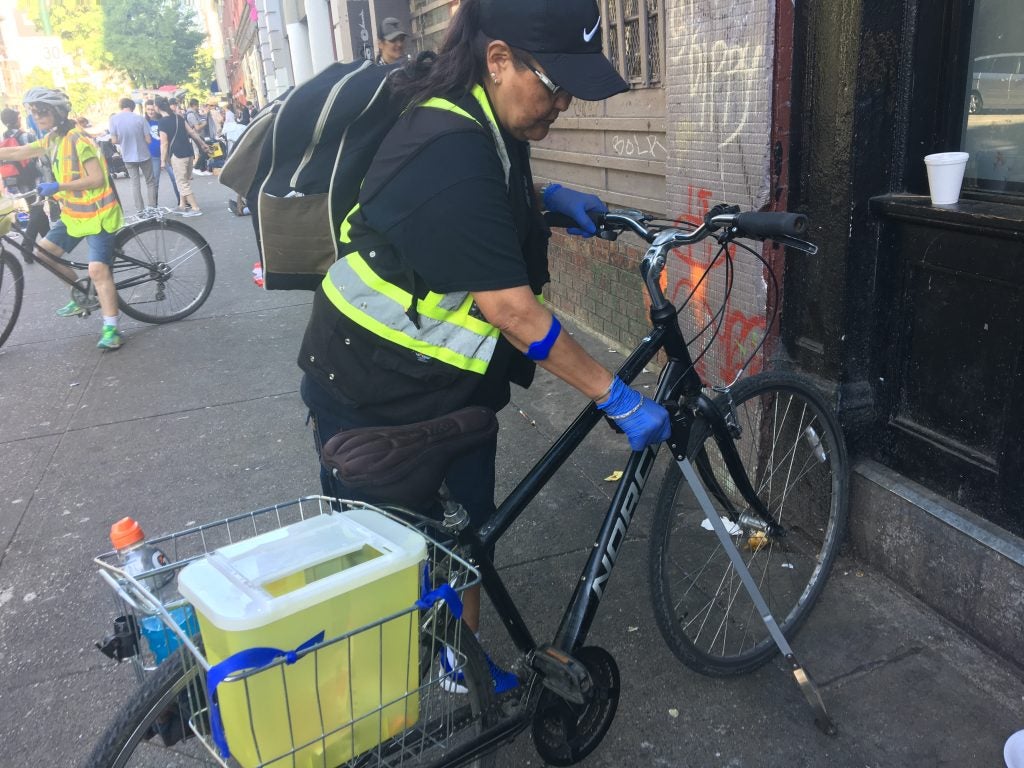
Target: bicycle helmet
x,y
49,97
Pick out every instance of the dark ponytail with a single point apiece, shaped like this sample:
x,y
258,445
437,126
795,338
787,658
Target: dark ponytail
x,y
459,66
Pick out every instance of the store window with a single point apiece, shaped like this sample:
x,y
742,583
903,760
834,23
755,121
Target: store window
x,y
994,114
635,39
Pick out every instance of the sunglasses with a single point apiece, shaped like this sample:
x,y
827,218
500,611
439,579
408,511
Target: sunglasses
x,y
548,83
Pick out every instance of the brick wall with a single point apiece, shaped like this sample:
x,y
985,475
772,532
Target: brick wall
x,y
719,89
598,283
718,126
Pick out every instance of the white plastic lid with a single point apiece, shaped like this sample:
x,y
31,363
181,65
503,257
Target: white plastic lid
x,y
228,586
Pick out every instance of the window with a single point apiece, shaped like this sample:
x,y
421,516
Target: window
x,y
994,120
634,39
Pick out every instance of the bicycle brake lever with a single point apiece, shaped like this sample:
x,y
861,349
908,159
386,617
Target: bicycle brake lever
x,y
794,242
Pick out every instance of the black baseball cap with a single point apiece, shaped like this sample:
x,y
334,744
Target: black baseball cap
x,y
564,36
389,29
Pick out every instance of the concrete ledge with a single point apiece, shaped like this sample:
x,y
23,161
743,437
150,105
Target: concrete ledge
x,y
967,569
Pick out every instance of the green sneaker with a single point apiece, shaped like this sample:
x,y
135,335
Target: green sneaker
x,y
110,339
70,310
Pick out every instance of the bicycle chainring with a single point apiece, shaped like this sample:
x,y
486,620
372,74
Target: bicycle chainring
x,y
563,732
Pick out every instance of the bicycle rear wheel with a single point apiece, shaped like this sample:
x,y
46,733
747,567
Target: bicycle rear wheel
x,y
163,270
794,454
12,288
146,733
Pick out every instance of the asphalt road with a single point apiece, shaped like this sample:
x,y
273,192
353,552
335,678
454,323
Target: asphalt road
x,y
196,420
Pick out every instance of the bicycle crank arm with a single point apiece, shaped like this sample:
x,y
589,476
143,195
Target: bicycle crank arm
x,y
802,677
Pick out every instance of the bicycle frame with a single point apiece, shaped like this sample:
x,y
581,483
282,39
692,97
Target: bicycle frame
x,y
680,390
678,379
53,265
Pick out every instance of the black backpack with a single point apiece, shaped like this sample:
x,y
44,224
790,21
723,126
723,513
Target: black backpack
x,y
300,164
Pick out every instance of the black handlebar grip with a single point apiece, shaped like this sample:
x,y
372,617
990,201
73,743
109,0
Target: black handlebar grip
x,y
561,221
770,224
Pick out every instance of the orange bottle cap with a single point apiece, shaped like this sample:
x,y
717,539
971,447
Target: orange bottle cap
x,y
125,532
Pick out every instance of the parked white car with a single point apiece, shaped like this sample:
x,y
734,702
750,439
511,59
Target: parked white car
x,y
997,83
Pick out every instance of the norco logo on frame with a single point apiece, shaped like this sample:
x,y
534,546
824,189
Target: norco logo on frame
x,y
636,487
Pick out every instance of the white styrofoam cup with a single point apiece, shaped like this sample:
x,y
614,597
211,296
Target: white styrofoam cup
x,y
945,174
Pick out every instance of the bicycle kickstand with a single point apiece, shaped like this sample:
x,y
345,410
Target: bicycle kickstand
x,y
800,674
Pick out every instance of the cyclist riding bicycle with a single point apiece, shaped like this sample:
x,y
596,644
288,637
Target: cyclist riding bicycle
x,y
89,206
436,304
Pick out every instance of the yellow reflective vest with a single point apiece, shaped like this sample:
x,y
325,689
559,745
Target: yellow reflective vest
x,y
440,326
88,211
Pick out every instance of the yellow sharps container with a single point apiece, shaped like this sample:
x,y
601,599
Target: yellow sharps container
x,y
333,574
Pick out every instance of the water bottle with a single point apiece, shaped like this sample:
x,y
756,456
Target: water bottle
x,y
138,557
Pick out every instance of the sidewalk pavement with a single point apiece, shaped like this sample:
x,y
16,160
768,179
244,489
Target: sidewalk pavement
x,y
196,420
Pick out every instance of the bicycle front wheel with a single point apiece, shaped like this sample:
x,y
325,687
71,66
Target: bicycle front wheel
x,y
12,287
793,451
456,704
163,270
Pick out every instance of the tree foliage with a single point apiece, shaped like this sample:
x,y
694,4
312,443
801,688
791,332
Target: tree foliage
x,y
154,42
198,83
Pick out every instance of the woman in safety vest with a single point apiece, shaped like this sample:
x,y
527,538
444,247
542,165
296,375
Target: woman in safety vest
x,y
89,206
435,305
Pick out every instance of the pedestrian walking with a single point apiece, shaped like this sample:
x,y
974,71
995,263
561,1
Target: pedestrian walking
x,y
196,120
130,132
153,118
176,152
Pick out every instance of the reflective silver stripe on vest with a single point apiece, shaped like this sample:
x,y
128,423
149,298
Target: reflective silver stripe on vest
x,y
432,338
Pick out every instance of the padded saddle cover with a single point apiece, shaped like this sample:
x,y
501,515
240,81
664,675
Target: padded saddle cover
x,y
406,465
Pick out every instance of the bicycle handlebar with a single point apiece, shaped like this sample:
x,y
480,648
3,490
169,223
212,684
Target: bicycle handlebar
x,y
724,223
756,225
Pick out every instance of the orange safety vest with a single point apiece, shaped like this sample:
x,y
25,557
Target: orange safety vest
x,y
87,204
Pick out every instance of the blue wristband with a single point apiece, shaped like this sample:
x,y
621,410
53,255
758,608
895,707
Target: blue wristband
x,y
539,350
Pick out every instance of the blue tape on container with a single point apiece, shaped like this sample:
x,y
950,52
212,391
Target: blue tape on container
x,y
252,658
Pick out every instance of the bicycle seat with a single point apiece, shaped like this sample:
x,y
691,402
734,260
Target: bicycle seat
x,y
405,465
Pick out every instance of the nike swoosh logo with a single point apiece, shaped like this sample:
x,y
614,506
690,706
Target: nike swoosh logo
x,y
588,36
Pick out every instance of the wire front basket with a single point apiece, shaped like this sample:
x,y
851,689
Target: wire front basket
x,y
390,692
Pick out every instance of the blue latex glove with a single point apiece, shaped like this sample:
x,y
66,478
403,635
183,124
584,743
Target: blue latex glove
x,y
569,202
646,423
47,188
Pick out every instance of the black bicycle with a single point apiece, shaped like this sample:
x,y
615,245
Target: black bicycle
x,y
736,562
163,269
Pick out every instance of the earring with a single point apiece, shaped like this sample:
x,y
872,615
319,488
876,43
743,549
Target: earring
x,y
494,78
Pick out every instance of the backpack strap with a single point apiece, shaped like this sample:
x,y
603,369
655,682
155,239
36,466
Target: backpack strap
x,y
480,95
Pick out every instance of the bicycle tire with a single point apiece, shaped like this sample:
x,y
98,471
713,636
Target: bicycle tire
x,y
163,270
703,611
125,744
153,700
12,289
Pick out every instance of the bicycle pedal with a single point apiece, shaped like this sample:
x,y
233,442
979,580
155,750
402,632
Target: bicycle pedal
x,y
562,674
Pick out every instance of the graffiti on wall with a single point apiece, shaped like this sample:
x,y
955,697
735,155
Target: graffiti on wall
x,y
725,75
639,145
696,275
581,108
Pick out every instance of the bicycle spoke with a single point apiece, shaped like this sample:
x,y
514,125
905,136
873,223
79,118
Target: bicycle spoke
x,y
163,271
703,607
